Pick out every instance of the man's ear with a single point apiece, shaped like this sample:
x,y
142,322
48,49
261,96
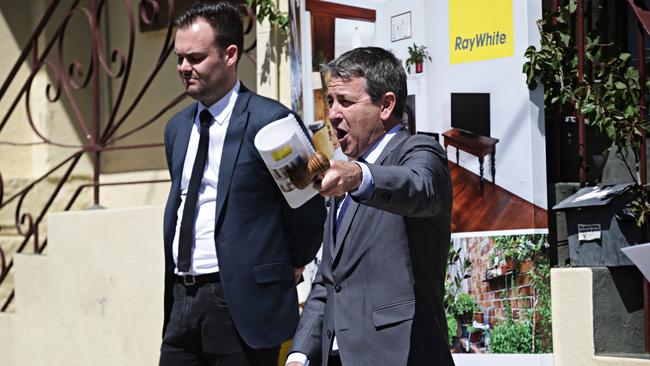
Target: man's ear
x,y
388,105
231,54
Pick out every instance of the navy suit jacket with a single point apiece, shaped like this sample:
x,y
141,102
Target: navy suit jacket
x,y
259,239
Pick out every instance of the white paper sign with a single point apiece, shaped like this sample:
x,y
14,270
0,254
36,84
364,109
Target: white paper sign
x,y
589,232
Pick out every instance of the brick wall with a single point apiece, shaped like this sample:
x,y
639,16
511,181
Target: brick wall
x,y
490,294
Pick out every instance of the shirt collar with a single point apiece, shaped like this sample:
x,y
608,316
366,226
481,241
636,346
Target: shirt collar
x,y
222,109
376,149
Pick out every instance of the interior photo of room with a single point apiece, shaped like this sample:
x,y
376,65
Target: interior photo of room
x,y
480,111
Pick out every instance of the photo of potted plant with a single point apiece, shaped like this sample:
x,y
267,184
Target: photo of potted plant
x,y
464,308
475,335
417,56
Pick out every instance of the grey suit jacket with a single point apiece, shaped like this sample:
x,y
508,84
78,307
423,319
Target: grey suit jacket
x,y
380,284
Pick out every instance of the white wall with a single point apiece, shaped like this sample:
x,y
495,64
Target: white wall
x,y
350,34
417,83
517,118
536,108
520,153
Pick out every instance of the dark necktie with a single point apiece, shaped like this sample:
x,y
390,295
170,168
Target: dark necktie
x,y
186,234
344,206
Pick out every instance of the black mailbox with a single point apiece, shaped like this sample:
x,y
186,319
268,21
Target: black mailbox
x,y
599,223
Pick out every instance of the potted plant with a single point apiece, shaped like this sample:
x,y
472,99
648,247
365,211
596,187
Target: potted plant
x,y
478,317
475,334
464,308
506,265
417,56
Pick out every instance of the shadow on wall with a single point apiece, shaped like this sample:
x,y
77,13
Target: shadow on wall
x,y
272,53
21,19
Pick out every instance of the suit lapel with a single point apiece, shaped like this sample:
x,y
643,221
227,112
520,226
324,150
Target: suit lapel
x,y
182,140
231,145
397,140
351,212
346,224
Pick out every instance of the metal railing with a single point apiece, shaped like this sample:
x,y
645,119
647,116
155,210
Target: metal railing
x,y
643,30
643,17
69,79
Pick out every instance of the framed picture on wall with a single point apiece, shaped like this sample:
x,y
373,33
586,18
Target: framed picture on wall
x,y
400,26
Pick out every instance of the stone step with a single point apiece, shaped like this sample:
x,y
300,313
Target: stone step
x,y
83,298
8,337
8,230
41,193
9,244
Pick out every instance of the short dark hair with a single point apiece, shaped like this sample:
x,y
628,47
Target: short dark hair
x,y
381,69
223,17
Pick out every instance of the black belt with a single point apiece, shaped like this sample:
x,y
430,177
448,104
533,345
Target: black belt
x,y
190,280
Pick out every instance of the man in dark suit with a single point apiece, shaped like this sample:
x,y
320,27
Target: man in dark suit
x,y
233,247
378,296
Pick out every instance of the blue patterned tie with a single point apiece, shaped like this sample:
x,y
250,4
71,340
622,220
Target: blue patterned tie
x,y
344,206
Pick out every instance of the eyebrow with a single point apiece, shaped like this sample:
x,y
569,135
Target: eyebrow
x,y
189,53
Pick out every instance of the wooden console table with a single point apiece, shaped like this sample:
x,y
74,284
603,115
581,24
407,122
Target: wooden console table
x,y
476,145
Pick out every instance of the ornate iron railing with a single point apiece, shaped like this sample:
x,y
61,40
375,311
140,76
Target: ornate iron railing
x,y
69,79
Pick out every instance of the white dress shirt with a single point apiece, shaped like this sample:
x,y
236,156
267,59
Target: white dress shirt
x,y
204,255
364,191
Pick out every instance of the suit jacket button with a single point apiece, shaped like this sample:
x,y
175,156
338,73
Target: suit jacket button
x,y
329,334
337,288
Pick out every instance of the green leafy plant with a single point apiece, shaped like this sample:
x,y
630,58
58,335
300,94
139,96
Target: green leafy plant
x,y
541,312
458,269
464,307
608,96
511,337
267,9
417,55
519,247
452,326
523,248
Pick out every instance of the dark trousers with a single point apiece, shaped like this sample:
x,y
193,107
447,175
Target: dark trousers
x,y
201,332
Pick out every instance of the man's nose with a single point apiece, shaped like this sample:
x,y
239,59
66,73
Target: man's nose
x,y
334,113
184,66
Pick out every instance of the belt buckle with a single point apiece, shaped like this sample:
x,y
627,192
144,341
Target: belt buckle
x,y
189,280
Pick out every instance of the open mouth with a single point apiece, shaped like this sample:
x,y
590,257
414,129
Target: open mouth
x,y
341,134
